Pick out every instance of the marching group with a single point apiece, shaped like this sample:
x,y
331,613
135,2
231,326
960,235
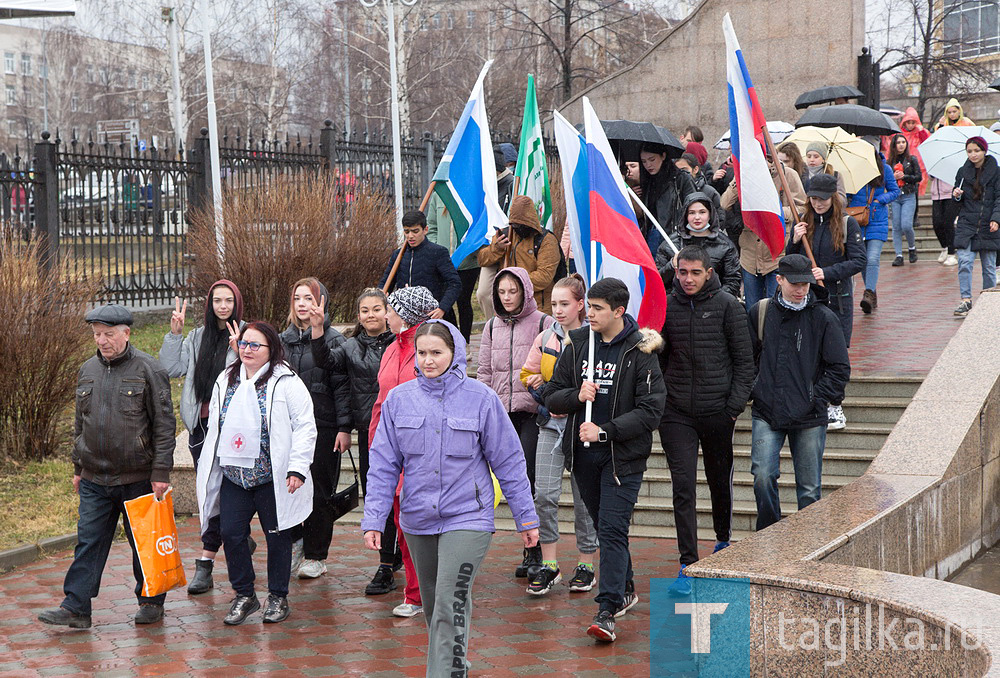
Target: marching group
x,y
269,415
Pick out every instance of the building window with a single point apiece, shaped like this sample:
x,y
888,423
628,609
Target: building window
x,y
145,81
8,62
12,127
970,29
131,109
470,19
105,77
145,107
132,81
436,20
25,64
74,103
451,20
11,95
27,97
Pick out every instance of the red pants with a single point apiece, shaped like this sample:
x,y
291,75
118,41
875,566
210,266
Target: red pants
x,y
411,592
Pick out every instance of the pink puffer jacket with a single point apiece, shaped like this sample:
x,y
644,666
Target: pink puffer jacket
x,y
506,341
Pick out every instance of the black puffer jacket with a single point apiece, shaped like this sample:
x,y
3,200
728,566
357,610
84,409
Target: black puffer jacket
x,y
707,358
356,362
973,225
721,250
802,363
322,384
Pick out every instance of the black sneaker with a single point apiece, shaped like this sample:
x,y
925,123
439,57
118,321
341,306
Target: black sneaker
x,y
628,602
63,617
913,256
242,607
149,613
583,579
276,609
603,627
382,582
898,261
544,581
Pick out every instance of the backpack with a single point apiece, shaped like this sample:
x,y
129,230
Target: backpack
x,y
561,269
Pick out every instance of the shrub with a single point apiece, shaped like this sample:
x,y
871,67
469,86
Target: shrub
x,y
293,229
42,346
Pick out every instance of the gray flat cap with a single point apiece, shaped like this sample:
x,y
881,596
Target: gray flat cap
x,y
111,314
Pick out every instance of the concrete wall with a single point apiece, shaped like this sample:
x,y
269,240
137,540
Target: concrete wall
x,y
790,46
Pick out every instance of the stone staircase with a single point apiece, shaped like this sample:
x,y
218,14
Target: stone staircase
x,y
928,248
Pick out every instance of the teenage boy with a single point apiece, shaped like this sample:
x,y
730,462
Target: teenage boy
x,y
802,366
425,264
708,372
610,450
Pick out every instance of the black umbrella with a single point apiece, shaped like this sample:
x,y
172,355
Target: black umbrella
x,y
826,95
858,120
629,137
995,84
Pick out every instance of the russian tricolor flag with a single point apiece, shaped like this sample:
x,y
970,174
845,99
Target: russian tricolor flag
x,y
598,211
759,199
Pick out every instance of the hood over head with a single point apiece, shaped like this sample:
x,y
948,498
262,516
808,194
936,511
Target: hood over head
x,y
528,305
911,114
524,212
237,315
459,362
703,198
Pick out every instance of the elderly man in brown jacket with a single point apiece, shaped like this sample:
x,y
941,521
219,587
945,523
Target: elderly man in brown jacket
x,y
529,246
759,267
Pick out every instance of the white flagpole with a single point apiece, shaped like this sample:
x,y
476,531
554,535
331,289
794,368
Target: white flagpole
x,y
589,407
213,125
652,219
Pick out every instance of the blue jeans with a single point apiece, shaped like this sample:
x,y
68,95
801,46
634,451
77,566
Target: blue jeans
x,y
870,272
807,457
610,506
966,259
100,507
236,508
757,287
902,221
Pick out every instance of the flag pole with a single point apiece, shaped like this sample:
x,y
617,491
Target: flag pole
x,y
399,257
788,196
652,219
510,229
589,407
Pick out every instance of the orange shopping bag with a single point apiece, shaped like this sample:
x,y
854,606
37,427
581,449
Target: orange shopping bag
x,y
155,534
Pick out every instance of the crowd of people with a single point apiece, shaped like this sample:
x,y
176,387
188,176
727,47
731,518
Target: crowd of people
x,y
270,415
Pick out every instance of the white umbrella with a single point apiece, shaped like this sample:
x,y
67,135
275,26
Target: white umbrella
x,y
776,128
944,151
24,9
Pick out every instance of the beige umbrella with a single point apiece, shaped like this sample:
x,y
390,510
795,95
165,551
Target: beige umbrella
x,y
852,157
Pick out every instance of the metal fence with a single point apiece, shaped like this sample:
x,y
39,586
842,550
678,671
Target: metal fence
x,y
121,214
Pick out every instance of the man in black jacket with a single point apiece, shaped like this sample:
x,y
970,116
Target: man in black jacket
x,y
610,443
123,449
708,373
802,366
425,264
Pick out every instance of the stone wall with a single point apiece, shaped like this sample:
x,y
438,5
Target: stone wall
x,y
790,46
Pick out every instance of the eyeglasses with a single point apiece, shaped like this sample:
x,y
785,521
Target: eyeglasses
x,y
252,345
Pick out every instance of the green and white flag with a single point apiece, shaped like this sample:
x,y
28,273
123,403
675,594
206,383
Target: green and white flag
x,y
531,169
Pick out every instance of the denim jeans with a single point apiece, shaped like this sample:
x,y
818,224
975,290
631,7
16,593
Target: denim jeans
x,y
807,458
100,507
903,211
966,260
757,287
870,271
237,508
610,506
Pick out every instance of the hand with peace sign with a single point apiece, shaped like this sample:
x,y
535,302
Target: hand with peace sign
x,y
177,316
234,335
316,319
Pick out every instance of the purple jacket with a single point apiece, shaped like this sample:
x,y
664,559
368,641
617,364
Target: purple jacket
x,y
506,342
445,434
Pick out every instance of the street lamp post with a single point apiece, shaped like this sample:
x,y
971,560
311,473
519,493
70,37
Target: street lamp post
x,y
397,155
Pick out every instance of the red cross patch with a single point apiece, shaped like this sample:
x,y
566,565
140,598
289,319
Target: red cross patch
x,y
238,442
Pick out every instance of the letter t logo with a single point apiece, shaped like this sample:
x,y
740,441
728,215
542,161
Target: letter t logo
x,y
701,623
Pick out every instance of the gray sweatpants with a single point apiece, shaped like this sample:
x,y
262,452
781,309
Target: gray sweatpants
x,y
446,566
549,462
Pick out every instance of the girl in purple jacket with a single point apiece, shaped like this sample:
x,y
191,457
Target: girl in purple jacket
x,y
445,432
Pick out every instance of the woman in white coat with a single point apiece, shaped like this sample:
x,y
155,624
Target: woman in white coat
x,y
259,446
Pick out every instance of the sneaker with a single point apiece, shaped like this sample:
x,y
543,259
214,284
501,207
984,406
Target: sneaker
x,y
898,261
964,308
149,613
719,545
951,260
310,569
405,609
298,555
628,602
544,581
382,582
63,617
603,627
913,256
943,256
276,609
681,586
583,579
242,607
836,419
531,563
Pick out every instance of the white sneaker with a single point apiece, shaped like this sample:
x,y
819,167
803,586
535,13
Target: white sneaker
x,y
298,555
405,609
943,256
951,260
836,419
311,569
